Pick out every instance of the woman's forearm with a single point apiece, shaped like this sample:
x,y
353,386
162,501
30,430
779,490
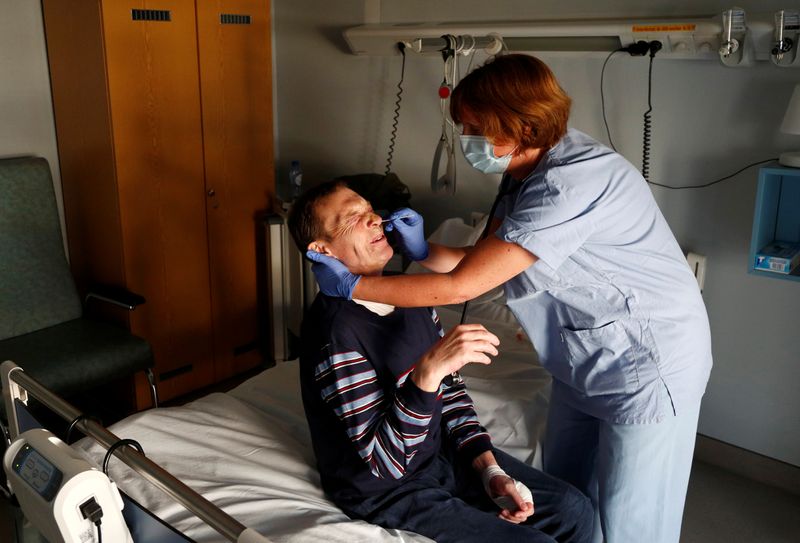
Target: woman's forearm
x,y
442,259
492,262
419,290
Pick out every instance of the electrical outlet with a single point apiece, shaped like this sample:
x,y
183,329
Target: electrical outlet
x,y
697,263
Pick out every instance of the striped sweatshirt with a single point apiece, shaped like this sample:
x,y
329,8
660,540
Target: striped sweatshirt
x,y
372,428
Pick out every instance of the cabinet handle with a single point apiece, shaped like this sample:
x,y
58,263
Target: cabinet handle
x,y
211,193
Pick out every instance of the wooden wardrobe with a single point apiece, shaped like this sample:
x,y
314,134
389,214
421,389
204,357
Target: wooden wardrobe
x,y
163,114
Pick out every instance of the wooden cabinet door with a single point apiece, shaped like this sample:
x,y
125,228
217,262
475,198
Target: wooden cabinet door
x,y
76,58
236,83
153,80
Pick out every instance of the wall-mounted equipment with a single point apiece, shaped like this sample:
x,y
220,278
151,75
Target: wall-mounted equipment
x,y
734,45
460,45
731,37
787,27
776,224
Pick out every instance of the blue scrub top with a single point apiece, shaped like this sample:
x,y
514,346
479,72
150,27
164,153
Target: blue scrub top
x,y
611,306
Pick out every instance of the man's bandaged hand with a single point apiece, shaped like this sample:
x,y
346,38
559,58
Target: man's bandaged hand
x,y
512,497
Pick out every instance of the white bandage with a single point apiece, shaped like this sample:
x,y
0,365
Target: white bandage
x,y
491,471
504,502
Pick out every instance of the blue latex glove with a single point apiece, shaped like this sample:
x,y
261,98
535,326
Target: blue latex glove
x,y
407,223
333,277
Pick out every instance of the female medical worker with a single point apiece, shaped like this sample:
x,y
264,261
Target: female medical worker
x,y
594,275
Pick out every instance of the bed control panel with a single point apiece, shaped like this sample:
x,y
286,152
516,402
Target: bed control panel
x,y
35,470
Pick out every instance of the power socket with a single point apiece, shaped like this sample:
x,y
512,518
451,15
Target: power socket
x,y
697,263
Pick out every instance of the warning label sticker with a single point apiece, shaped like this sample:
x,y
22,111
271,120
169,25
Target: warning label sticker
x,y
665,28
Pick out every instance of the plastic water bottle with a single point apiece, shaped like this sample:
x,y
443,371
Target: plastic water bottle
x,y
295,178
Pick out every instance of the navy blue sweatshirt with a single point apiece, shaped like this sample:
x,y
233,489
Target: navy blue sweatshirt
x,y
372,428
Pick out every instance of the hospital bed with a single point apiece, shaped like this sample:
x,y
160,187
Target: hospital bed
x,y
248,451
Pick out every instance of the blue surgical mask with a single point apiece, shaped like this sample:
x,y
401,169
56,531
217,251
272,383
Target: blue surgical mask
x,y
479,152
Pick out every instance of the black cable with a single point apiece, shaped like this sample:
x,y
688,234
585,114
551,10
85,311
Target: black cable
x,y
641,48
636,49
653,47
75,421
92,511
396,119
647,128
737,172
603,98
502,190
131,442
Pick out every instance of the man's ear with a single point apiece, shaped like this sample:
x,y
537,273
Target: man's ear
x,y
319,247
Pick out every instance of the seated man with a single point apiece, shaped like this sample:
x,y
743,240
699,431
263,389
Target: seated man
x,y
395,434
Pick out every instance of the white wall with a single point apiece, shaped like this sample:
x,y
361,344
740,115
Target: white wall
x,y
335,116
26,110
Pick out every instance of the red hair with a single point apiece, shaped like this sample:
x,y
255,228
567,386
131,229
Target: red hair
x,y
515,99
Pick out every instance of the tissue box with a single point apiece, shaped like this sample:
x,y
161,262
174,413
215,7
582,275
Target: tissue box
x,y
779,257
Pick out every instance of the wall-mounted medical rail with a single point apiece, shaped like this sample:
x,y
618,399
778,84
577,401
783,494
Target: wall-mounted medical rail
x,y
17,385
732,37
459,44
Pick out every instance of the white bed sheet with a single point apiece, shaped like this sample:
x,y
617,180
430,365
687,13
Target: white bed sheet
x,y
249,450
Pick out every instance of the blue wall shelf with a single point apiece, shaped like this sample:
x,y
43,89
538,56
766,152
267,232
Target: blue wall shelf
x,y
777,214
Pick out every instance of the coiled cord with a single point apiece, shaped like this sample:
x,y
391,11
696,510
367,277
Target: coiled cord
x,y
648,122
396,118
654,47
637,49
642,48
647,129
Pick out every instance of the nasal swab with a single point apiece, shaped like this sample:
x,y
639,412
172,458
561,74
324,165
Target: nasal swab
x,y
396,218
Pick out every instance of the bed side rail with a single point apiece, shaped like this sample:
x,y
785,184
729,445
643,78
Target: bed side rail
x,y
17,385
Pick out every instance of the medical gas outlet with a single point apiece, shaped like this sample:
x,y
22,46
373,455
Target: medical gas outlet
x,y
787,27
735,45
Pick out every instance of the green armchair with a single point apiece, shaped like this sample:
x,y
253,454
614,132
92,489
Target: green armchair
x,y
42,324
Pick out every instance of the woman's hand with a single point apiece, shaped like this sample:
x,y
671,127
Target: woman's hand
x,y
333,277
407,223
505,492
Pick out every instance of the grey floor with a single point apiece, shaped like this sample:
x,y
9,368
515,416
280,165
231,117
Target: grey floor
x,y
722,507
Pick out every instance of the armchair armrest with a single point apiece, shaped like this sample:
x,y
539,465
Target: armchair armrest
x,y
115,295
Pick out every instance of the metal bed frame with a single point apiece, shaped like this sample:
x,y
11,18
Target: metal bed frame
x,y
18,387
